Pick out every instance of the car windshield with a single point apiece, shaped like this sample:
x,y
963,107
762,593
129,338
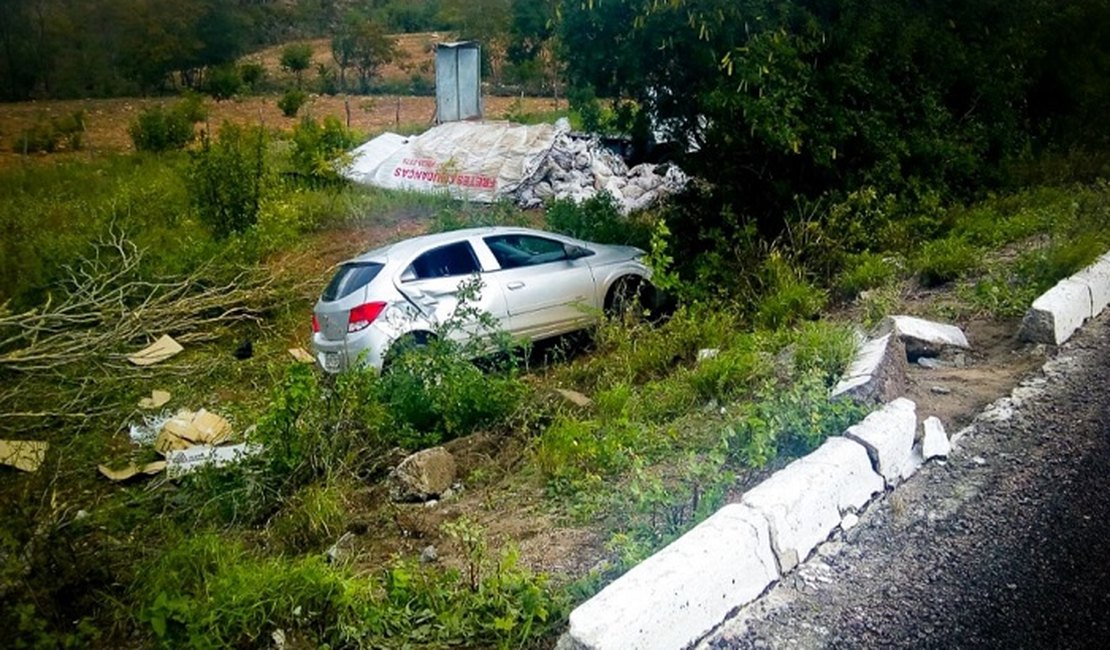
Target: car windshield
x,y
350,277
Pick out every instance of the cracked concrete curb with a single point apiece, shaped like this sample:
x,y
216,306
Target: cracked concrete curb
x,y
677,596
1063,309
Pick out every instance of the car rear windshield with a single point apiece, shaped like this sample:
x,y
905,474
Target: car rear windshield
x,y
350,278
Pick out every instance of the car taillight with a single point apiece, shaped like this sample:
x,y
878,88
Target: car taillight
x,y
315,324
363,315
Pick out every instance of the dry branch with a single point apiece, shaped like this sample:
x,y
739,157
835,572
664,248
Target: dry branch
x,y
104,309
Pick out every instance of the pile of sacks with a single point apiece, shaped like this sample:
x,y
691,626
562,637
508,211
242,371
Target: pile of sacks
x,y
578,167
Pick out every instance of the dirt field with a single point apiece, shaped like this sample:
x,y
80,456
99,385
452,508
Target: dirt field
x,y
107,119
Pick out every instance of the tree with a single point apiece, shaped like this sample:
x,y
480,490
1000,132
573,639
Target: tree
x,y
295,58
371,48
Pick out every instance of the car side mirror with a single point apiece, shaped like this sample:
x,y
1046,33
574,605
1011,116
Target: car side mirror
x,y
576,252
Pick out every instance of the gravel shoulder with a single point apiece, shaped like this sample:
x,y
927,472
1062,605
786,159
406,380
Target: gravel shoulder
x,y
1005,545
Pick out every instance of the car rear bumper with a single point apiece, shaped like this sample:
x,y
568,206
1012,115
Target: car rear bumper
x,y
365,348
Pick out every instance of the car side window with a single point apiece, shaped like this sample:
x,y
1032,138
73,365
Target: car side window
x,y
513,251
443,262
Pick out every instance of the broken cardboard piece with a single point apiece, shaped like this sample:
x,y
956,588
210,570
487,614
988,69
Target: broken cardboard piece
x,y
187,428
156,352
185,461
301,355
212,428
25,455
157,399
132,470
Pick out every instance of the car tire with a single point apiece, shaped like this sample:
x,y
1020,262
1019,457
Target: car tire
x,y
628,293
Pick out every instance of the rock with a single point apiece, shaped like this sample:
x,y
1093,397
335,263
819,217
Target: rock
x,y
429,555
632,192
931,363
888,435
878,372
341,549
940,390
708,353
934,442
574,397
422,476
806,500
1057,313
674,597
926,338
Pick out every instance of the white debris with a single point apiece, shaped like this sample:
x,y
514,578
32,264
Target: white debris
x,y
934,444
849,521
489,161
925,337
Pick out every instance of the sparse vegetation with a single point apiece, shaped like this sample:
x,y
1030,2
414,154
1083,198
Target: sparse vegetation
x,y
825,196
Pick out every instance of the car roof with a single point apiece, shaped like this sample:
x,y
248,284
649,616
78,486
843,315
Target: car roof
x,y
407,248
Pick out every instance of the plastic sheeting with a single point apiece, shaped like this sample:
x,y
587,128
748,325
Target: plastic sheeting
x,y
490,161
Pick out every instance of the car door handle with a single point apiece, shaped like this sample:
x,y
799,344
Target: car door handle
x,y
513,286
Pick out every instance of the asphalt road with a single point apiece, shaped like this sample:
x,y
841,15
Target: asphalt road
x,y
1006,545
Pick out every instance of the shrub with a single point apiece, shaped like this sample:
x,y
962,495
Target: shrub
x,y
864,271
53,134
209,591
316,148
787,297
291,102
598,219
158,129
434,392
296,58
312,518
223,82
944,260
791,421
252,74
228,178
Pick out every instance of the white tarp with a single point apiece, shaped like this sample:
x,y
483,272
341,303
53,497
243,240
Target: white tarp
x,y
488,161
474,161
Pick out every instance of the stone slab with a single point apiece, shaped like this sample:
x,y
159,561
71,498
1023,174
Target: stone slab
x,y
888,436
877,373
677,595
1097,279
927,338
934,442
807,499
1057,313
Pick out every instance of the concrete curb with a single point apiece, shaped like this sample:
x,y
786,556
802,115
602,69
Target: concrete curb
x,y
681,593
1063,309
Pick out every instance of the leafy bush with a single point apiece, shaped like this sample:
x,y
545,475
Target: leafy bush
x,y
597,219
228,179
787,297
209,591
791,420
252,74
944,260
316,148
223,82
863,271
53,134
291,102
312,518
158,129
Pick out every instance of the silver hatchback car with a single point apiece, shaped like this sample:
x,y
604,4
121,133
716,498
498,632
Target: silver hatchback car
x,y
533,284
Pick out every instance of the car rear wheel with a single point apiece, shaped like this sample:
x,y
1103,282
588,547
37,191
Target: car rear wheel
x,y
403,345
